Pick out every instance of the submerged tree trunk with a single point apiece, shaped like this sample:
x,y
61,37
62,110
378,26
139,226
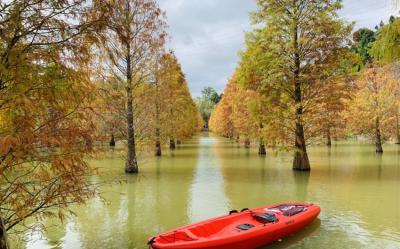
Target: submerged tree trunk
x,y
158,151
397,128
131,165
172,145
3,236
328,137
300,161
261,148
178,142
112,141
247,143
158,143
378,139
131,161
261,145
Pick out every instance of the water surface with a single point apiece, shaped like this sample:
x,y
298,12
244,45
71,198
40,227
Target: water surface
x,y
358,191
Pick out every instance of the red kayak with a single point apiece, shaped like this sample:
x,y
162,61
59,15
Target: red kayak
x,y
248,229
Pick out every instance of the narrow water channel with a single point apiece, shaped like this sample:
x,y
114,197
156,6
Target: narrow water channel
x,y
358,191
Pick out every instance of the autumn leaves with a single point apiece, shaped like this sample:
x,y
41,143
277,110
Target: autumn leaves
x,y
302,80
72,75
46,98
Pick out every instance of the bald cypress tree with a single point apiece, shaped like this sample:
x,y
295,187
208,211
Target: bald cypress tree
x,y
302,42
135,32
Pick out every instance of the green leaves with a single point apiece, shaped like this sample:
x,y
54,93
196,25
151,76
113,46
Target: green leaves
x,y
207,102
387,46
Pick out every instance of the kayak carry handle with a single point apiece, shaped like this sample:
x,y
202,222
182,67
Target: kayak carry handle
x,y
233,212
151,241
244,209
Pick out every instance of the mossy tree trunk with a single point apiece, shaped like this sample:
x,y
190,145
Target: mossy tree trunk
x,y
300,161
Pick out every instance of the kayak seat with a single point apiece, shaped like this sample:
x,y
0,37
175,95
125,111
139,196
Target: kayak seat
x,y
290,210
265,218
245,227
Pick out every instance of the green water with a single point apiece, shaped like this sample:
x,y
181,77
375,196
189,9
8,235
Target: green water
x,y
358,191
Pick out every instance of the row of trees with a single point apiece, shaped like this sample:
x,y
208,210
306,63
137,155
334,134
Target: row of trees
x,y
72,74
302,79
163,111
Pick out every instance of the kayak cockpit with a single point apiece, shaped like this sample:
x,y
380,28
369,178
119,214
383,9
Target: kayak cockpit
x,y
288,210
183,235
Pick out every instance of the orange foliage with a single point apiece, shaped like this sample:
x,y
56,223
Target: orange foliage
x,y
376,100
46,96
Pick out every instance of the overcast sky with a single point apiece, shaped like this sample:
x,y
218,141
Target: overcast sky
x,y
207,34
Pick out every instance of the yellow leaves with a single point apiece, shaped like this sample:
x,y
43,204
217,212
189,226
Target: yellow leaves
x,y
376,97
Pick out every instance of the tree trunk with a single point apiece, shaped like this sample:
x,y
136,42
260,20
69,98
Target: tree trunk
x,y
158,121
158,149
112,141
397,128
158,143
172,145
300,161
261,148
3,236
328,138
378,139
247,143
261,145
131,165
178,142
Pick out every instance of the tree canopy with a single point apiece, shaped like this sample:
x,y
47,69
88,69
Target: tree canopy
x,y
387,46
206,103
363,41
